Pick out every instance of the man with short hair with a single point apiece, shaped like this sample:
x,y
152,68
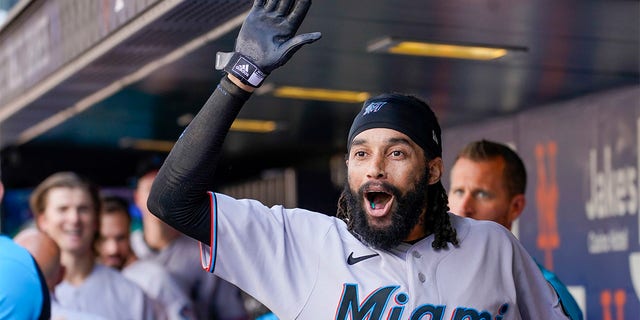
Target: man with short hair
x,y
66,206
114,250
488,181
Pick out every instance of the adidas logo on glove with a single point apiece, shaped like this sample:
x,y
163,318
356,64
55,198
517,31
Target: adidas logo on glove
x,y
243,68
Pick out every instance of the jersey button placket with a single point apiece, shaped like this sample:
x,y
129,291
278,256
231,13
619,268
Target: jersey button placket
x,y
417,256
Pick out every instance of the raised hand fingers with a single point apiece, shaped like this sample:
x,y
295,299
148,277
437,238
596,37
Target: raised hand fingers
x,y
258,3
298,12
270,5
283,8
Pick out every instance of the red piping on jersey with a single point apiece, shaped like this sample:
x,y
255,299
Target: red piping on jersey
x,y
209,265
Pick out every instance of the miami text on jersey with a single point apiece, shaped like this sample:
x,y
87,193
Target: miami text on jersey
x,y
376,304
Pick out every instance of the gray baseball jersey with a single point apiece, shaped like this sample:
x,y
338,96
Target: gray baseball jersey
x,y
160,286
307,265
106,293
208,293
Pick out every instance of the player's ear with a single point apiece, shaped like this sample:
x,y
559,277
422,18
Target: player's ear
x,y
516,206
435,170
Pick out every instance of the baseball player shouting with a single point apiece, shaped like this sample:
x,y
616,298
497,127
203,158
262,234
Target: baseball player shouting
x,y
393,251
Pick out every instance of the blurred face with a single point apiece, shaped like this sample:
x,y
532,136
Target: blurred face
x,y
141,195
142,192
113,244
70,219
156,232
478,191
387,186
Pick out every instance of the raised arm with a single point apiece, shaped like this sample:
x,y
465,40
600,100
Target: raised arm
x,y
266,41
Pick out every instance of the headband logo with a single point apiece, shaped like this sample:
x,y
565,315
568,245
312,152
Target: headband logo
x,y
433,135
373,107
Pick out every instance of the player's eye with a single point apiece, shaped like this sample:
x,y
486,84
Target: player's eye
x,y
397,154
359,154
458,193
483,195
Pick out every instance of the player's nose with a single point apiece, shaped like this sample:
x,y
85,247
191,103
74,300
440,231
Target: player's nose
x,y
109,247
375,167
467,208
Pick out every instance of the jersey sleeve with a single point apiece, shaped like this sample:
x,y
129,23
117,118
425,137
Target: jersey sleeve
x,y
493,266
259,248
569,304
536,298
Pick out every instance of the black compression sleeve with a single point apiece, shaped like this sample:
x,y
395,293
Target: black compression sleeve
x,y
179,192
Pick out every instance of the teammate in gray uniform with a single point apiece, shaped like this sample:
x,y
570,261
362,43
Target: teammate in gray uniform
x,y
114,250
66,207
393,252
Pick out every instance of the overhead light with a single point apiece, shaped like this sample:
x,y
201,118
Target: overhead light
x,y
321,94
442,50
146,144
241,125
256,126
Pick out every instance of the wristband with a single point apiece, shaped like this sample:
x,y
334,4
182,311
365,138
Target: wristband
x,y
232,89
239,66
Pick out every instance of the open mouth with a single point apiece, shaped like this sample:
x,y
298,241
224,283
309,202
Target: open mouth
x,y
377,202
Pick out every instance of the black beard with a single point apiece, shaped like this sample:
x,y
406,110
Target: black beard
x,y
404,216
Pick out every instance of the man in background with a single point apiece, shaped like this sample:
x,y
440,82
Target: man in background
x,y
114,250
66,207
488,182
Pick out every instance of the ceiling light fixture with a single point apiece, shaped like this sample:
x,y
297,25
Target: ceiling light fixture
x,y
239,125
146,144
321,94
256,126
442,50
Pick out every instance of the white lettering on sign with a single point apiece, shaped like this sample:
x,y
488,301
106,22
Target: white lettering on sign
x,y
613,191
613,194
608,241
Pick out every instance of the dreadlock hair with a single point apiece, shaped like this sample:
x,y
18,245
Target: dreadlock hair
x,y
436,219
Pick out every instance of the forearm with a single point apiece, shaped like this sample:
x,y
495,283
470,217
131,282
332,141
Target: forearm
x,y
266,41
179,192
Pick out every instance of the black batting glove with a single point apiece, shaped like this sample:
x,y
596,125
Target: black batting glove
x,y
267,40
